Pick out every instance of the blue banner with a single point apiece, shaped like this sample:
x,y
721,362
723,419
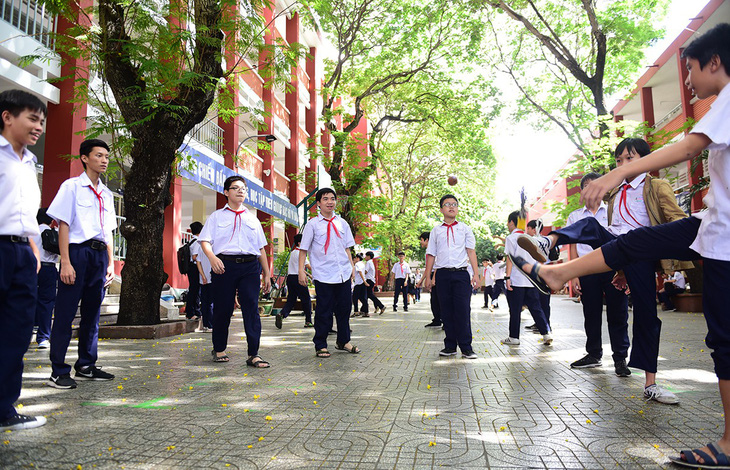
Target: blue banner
x,y
211,174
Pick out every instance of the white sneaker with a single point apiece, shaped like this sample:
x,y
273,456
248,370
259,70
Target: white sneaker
x,y
656,393
510,340
45,344
547,339
538,247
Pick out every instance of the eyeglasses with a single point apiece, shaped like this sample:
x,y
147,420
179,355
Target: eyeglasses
x,y
239,189
451,204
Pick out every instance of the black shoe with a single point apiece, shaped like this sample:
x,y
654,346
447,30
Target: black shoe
x,y
22,422
395,309
93,373
531,327
433,323
586,362
278,320
405,309
469,354
308,324
61,381
332,332
621,369
364,314
447,352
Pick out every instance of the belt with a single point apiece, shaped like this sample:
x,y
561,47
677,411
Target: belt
x,y
93,244
14,239
239,258
48,263
452,269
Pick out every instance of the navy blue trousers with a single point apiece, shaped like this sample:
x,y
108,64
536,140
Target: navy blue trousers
x,y
206,304
360,296
545,305
295,290
497,289
333,303
244,278
593,289
193,300
400,287
90,266
435,305
516,298
47,283
487,292
666,296
18,281
454,296
371,295
641,278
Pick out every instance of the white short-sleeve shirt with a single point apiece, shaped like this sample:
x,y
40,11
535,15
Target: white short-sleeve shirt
x,y
20,196
334,266
293,267
712,237
629,212
197,251
512,248
451,253
679,281
601,216
88,212
499,270
370,270
230,233
487,276
401,270
359,269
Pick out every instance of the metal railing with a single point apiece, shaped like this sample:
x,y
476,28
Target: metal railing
x,y
209,134
120,243
30,18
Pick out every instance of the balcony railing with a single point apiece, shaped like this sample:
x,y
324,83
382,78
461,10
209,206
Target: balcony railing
x,y
209,134
30,18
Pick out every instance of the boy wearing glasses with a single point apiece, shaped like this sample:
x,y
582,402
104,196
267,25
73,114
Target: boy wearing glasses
x,y
450,250
233,240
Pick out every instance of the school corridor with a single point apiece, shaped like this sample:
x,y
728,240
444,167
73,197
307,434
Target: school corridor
x,y
395,405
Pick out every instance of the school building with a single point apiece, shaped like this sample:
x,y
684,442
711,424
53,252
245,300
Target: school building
x,y
278,179
661,100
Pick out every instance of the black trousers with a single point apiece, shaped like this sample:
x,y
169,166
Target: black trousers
x,y
497,289
360,296
487,292
400,286
295,290
516,298
593,290
666,296
193,301
371,295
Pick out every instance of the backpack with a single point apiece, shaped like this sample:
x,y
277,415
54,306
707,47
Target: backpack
x,y
49,240
183,257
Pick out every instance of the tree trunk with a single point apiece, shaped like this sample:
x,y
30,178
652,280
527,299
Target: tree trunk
x,y
146,195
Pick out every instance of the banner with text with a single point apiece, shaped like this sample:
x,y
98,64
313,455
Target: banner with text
x,y
202,169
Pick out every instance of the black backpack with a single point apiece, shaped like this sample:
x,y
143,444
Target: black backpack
x,y
49,240
183,257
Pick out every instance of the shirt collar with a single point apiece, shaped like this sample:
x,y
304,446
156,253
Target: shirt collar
x,y
27,154
86,181
637,181
601,206
243,208
321,217
517,229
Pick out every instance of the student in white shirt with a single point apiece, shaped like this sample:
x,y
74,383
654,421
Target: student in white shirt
x,y
294,289
400,272
450,250
192,302
84,210
201,267
423,240
487,281
673,286
359,291
370,282
327,240
47,284
519,289
22,116
499,269
234,241
702,236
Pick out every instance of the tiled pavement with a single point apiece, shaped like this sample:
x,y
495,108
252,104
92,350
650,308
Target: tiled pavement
x,y
396,405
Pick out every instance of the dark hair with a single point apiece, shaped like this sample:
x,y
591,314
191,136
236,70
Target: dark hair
x,y
196,227
532,224
639,146
17,101
297,239
500,257
42,217
425,235
370,254
232,179
88,145
324,191
588,177
400,253
716,41
359,256
485,259
513,217
444,198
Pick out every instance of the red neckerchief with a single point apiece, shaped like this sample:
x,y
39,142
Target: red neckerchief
x,y
331,224
450,227
622,202
236,219
401,269
518,231
101,206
